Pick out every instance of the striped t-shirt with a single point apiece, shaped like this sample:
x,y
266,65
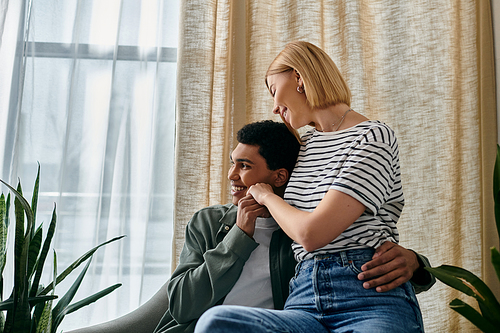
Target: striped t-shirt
x,y
361,161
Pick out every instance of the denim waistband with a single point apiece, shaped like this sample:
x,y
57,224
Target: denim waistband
x,y
365,254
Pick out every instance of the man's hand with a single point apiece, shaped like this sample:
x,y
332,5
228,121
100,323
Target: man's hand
x,y
259,191
391,266
248,211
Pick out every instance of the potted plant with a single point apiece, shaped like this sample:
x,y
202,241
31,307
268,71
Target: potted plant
x,y
488,318
32,308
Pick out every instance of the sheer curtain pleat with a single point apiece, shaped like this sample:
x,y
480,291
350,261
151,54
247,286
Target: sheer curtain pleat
x,y
414,65
98,114
204,128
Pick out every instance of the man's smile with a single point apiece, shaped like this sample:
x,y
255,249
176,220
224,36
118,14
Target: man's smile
x,y
236,188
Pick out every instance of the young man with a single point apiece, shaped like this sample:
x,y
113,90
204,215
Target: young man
x,y
236,253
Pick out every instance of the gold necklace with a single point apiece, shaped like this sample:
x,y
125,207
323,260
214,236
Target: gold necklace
x,y
341,120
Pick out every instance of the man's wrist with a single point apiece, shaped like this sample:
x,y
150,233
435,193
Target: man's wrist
x,y
420,275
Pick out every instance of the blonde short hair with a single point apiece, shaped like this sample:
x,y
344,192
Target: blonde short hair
x,y
323,83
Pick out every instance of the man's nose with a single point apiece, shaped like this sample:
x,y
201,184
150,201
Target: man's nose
x,y
232,175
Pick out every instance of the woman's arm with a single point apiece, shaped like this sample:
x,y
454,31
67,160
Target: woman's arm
x,y
313,230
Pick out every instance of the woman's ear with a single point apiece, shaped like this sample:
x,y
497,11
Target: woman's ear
x,y
300,83
282,176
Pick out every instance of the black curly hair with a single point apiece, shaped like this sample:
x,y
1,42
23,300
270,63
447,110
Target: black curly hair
x,y
277,144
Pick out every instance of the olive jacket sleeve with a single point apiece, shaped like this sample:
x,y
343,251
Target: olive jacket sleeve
x,y
211,262
422,280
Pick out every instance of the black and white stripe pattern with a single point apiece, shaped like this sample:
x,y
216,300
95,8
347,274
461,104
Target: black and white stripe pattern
x,y
362,162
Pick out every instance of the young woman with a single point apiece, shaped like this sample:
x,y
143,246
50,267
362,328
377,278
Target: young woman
x,y
343,200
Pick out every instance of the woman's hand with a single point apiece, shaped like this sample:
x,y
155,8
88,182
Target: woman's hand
x,y
259,191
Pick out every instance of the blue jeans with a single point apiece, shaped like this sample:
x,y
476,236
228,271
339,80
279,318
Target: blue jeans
x,y
325,296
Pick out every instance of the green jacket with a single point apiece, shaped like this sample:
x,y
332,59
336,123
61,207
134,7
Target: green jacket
x,y
211,262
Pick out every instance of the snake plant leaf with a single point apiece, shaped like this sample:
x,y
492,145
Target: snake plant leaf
x,y
496,189
34,198
473,316
468,283
41,310
45,320
22,314
20,262
3,249
3,233
24,203
34,250
43,254
91,299
495,260
9,303
21,243
87,301
77,263
2,206
3,237
7,210
58,311
19,208
21,309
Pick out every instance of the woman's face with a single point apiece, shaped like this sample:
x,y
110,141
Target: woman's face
x,y
288,102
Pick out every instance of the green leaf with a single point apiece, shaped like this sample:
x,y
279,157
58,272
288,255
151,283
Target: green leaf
x,y
7,210
2,322
58,311
3,228
22,315
77,263
24,203
80,304
473,316
9,303
495,260
91,299
40,312
43,254
3,239
20,262
34,250
468,283
496,189
45,320
34,198
19,208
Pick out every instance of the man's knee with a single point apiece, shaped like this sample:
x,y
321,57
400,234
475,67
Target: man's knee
x,y
221,319
211,320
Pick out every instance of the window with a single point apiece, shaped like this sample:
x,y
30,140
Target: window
x,y
98,114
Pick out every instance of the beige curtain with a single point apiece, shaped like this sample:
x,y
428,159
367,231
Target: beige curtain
x,y
423,67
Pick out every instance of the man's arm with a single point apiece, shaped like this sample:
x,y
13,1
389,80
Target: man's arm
x,y
422,280
208,270
392,265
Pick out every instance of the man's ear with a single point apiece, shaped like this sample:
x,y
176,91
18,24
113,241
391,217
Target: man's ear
x,y
282,176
